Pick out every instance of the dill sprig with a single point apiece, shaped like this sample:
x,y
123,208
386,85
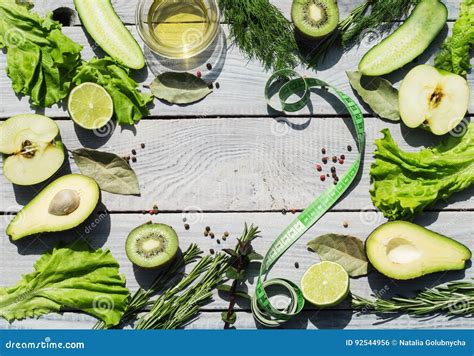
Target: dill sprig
x,y
261,31
369,16
141,299
455,298
172,310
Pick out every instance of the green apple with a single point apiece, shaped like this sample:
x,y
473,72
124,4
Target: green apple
x,y
32,149
433,97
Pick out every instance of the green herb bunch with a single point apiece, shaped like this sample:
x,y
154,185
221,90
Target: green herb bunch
x,y
455,298
370,16
141,299
180,304
241,257
261,31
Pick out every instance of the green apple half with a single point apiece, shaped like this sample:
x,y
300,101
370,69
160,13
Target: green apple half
x,y
32,149
434,97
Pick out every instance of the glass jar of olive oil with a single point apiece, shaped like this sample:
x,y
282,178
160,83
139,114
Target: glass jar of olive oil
x,y
178,29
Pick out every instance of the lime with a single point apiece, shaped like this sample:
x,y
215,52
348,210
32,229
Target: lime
x,y
90,106
325,284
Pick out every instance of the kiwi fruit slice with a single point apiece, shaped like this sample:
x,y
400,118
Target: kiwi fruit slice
x,y
152,245
315,18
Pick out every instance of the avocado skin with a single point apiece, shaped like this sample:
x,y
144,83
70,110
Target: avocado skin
x,y
442,245
23,224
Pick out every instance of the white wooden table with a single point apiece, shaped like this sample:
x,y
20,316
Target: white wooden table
x,y
232,160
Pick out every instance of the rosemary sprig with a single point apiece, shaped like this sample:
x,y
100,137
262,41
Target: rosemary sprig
x,y
241,256
172,310
361,21
455,298
141,298
261,31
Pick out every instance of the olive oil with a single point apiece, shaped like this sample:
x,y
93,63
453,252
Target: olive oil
x,y
181,28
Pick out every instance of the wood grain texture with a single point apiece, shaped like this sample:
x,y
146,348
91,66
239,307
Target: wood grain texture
x,y
242,82
323,319
126,8
110,231
234,164
247,161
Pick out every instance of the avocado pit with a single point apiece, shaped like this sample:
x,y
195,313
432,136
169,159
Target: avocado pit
x,y
402,251
64,202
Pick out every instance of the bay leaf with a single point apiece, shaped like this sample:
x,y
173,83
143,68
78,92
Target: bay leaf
x,y
346,250
179,88
378,93
112,173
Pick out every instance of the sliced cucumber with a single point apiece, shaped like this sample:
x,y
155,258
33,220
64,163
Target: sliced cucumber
x,y
106,28
409,41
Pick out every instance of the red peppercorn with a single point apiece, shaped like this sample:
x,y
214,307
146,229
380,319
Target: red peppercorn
x,y
341,161
322,177
318,167
198,74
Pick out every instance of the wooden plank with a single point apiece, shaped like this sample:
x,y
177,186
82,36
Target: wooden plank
x,y
234,164
323,319
241,81
126,8
110,231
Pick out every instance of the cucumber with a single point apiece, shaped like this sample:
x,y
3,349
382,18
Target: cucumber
x,y
409,41
109,32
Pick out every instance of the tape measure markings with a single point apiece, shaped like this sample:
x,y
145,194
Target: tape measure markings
x,y
264,312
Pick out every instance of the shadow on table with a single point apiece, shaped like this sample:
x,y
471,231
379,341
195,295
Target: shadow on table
x,y
94,231
385,287
320,318
24,194
309,47
146,277
432,50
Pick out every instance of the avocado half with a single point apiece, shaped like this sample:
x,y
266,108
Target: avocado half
x,y
403,250
62,205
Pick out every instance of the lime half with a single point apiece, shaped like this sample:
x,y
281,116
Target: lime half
x,y
90,106
325,284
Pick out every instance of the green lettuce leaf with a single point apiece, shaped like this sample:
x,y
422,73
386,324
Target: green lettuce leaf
x,y
40,58
455,51
69,278
405,183
130,105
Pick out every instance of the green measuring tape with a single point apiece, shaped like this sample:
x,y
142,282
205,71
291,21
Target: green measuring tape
x,y
289,83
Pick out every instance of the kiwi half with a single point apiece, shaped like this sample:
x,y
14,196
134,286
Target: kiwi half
x,y
152,245
315,18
